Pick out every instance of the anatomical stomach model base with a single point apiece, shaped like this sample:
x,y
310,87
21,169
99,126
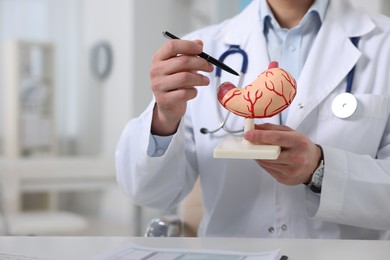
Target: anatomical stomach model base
x,y
268,95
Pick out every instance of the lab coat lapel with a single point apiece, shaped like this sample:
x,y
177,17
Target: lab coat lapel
x,y
332,57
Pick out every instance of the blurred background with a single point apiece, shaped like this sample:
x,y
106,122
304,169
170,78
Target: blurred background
x,y
72,73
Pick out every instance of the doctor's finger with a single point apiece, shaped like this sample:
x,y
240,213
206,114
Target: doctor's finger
x,y
271,137
268,126
174,48
181,80
284,167
271,165
182,63
173,98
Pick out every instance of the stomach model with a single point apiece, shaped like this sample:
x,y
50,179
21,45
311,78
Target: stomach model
x,y
268,95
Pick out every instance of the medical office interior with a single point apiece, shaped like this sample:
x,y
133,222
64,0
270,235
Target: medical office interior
x,y
72,74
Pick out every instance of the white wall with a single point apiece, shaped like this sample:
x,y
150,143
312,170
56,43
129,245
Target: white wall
x,y
64,23
106,104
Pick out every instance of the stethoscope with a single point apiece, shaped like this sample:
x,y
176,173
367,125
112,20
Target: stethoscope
x,y
233,49
344,105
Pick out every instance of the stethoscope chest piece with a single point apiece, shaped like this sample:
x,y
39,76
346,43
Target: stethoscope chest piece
x,y
344,105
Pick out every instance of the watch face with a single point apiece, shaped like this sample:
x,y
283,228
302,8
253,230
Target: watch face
x,y
317,179
318,176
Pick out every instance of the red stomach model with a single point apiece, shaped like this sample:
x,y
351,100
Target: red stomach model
x,y
268,95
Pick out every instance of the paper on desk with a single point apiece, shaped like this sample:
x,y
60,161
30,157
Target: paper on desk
x,y
134,252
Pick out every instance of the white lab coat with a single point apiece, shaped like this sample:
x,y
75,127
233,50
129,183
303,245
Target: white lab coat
x,y
240,198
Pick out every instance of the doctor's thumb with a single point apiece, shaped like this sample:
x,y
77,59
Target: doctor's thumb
x,y
250,136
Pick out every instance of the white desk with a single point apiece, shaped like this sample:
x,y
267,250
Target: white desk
x,y
295,249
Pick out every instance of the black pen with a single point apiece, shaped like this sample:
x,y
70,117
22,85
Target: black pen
x,y
206,56
283,257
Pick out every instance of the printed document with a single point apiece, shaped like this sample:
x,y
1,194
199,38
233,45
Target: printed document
x,y
134,252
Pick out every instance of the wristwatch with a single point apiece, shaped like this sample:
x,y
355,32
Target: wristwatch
x,y
315,183
316,180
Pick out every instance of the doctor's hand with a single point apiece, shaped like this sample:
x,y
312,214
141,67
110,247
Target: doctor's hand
x,y
174,75
299,156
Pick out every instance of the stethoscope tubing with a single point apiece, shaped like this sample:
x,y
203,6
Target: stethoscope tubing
x,y
233,49
345,104
351,74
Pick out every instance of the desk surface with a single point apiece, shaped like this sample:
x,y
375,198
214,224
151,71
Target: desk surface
x,y
296,249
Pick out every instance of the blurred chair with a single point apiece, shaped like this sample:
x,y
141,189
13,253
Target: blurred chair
x,y
185,223
40,223
47,221
25,223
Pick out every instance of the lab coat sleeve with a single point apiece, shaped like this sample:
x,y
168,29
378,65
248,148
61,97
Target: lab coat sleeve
x,y
158,182
355,190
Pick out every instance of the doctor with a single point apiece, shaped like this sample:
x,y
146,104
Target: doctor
x,y
332,178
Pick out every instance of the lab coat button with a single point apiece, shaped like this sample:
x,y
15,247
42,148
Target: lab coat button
x,y
300,106
284,227
271,229
292,48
